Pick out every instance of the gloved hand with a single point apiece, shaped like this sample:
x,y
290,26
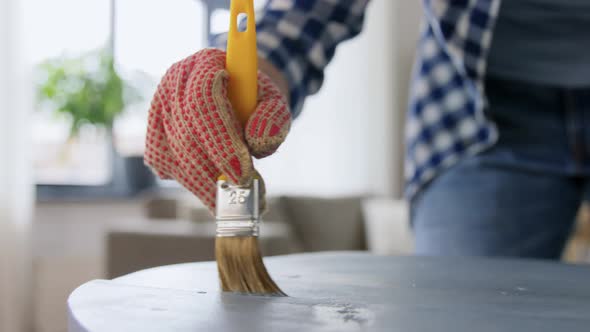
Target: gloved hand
x,y
193,135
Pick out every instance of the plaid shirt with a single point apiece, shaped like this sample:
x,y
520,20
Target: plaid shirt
x,y
445,119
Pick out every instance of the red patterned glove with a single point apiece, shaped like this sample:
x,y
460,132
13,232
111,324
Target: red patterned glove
x,y
193,135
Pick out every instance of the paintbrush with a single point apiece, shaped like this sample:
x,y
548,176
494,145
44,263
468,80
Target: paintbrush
x,y
237,212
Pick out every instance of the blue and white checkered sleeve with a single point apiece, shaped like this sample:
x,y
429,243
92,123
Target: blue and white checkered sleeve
x,y
300,37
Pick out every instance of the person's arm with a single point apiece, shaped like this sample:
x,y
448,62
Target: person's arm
x,y
275,75
298,38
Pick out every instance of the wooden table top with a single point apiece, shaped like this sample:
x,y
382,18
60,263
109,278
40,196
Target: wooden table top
x,y
345,291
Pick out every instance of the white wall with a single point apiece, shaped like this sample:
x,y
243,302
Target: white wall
x,y
15,186
349,138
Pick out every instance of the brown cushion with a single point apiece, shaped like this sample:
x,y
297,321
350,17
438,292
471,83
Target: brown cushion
x,y
275,211
326,224
161,208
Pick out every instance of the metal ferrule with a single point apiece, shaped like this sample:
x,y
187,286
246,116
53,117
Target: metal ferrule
x,y
236,210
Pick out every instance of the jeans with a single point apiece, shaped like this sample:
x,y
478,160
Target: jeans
x,y
520,197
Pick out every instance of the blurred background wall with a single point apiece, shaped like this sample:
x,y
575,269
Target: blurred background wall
x,y
349,137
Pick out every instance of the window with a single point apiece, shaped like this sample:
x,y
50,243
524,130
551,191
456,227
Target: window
x,y
57,28
149,36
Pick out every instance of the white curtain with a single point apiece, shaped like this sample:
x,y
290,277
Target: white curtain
x,y
15,177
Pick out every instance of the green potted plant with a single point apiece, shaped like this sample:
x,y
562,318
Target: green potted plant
x,y
87,90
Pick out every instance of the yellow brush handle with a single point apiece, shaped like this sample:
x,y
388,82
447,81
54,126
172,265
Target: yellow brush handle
x,y
242,61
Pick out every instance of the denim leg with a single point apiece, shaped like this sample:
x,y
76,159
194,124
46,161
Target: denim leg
x,y
492,210
520,197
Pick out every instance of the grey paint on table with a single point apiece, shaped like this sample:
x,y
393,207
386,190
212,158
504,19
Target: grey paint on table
x,y
345,291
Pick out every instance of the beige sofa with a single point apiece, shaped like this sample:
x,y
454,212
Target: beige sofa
x,y
177,232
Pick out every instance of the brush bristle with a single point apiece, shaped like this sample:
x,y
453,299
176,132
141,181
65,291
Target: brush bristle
x,y
240,267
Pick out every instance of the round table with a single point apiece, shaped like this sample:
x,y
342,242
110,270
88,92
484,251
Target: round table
x,y
345,291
